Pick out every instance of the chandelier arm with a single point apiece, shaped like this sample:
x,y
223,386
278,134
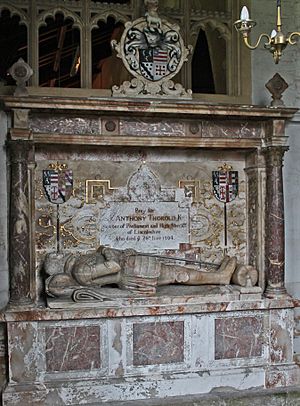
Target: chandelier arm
x,y
290,40
258,41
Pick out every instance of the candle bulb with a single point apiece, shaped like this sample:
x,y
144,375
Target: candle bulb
x,y
276,41
244,13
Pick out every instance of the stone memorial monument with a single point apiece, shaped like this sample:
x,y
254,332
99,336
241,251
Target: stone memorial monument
x,y
129,279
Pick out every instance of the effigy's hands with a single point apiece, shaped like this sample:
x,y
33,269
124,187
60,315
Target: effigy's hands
x,y
129,252
111,254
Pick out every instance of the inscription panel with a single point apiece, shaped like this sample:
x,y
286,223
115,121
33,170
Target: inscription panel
x,y
144,225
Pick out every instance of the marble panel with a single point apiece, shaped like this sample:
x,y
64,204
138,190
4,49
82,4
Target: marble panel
x,y
282,376
281,336
234,129
238,337
72,348
143,128
64,125
26,352
158,343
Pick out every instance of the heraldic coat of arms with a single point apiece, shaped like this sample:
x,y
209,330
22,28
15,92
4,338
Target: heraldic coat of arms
x,y
58,184
153,51
225,185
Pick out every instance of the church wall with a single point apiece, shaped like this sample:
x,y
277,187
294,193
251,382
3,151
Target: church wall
x,y
263,68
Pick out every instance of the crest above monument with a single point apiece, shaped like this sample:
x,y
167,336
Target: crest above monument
x,y
153,51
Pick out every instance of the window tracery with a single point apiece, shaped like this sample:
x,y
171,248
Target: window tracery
x,y
81,31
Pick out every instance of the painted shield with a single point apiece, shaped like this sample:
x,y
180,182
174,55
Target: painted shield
x,y
58,185
225,185
153,53
154,63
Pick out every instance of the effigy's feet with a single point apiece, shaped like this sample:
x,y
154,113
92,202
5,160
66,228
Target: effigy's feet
x,y
227,269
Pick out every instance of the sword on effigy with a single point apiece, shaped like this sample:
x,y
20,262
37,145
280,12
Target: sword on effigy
x,y
188,261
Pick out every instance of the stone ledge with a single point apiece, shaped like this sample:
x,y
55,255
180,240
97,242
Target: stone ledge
x,y
227,397
154,306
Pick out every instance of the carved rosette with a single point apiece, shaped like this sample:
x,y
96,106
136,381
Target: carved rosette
x,y
20,236
274,243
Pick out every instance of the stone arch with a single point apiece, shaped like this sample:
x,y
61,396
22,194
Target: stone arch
x,y
14,11
118,17
77,21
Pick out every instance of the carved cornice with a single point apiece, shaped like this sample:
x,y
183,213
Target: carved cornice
x,y
140,107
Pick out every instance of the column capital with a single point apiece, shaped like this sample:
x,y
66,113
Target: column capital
x,y
274,155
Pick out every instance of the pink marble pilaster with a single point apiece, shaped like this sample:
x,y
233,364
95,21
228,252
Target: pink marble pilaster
x,y
20,235
274,222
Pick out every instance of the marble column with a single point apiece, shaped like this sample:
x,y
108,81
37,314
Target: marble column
x,y
19,228
274,222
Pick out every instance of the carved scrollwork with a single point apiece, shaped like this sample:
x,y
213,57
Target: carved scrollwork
x,y
139,88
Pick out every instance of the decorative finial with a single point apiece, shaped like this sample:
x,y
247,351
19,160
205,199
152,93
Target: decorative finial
x,y
151,14
276,86
225,168
58,166
21,72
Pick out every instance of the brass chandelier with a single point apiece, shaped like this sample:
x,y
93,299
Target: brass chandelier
x,y
276,41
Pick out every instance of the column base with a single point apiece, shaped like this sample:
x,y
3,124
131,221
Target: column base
x,y
273,293
20,303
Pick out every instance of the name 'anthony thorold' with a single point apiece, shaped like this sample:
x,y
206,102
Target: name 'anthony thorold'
x,y
150,217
